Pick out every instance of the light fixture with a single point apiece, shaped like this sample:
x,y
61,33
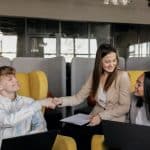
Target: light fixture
x,y
117,2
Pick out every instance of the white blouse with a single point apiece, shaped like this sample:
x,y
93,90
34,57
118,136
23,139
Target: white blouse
x,y
102,97
141,117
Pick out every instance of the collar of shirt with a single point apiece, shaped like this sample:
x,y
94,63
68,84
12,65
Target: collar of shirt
x,y
6,100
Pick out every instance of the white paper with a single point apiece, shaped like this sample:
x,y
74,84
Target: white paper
x,y
78,119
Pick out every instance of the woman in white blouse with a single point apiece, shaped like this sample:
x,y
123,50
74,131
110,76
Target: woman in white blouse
x,y
140,103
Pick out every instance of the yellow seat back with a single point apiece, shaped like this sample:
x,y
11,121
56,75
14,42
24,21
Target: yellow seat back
x,y
33,84
23,79
38,85
64,143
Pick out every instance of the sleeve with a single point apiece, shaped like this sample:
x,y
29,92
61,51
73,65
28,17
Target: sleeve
x,y
38,123
80,96
123,105
11,119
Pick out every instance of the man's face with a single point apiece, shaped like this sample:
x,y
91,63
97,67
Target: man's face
x,y
9,83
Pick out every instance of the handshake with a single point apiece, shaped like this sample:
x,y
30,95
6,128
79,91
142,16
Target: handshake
x,y
50,102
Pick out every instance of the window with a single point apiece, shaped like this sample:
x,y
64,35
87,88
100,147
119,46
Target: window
x,y
78,47
139,50
67,46
8,46
42,47
93,46
74,40
81,46
49,47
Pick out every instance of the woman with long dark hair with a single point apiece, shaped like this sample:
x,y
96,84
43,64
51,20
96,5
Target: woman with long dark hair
x,y
108,86
140,101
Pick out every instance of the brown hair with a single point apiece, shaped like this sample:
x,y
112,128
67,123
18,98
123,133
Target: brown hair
x,y
7,70
102,51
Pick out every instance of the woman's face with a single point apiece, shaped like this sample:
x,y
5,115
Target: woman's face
x,y
109,62
139,86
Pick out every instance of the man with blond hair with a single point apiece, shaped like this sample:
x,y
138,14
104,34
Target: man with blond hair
x,y
19,115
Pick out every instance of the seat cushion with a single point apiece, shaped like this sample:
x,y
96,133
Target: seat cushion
x,y
23,79
97,142
64,143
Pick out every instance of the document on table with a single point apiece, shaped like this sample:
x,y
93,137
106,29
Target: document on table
x,y
78,119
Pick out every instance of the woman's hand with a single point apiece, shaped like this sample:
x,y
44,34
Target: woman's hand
x,y
95,120
57,101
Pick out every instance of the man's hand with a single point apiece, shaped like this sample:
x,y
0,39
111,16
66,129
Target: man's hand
x,y
48,103
57,101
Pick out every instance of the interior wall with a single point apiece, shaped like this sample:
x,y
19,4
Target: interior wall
x,y
80,10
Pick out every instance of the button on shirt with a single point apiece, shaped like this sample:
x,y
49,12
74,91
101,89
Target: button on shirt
x,y
20,116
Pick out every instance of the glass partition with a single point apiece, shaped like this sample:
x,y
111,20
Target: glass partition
x,y
35,37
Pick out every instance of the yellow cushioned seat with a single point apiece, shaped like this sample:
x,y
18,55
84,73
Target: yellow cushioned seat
x,y
64,143
97,142
33,84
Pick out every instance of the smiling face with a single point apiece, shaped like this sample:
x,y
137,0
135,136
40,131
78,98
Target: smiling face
x,y
109,62
9,83
139,86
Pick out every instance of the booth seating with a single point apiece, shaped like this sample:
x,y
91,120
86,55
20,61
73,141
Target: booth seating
x,y
54,68
5,61
138,63
55,71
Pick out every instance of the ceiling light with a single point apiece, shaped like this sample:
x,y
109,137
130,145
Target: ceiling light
x,y
117,2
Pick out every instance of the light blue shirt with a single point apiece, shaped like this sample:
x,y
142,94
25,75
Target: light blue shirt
x,y
20,116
